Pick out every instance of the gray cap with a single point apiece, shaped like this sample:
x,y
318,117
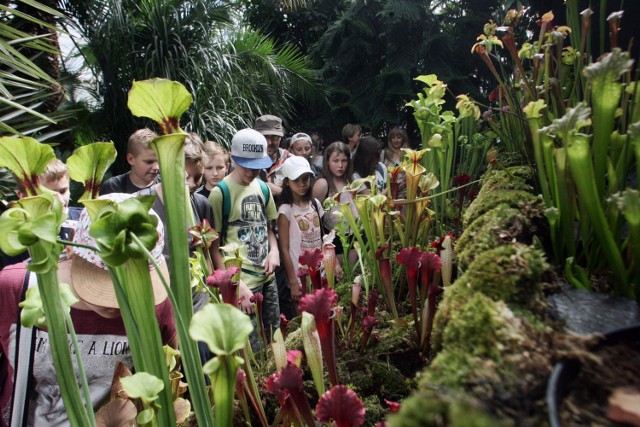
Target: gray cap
x,y
269,125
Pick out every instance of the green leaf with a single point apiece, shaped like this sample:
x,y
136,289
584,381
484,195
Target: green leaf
x,y
311,343
279,349
170,354
32,313
88,165
145,417
26,158
142,385
163,101
223,327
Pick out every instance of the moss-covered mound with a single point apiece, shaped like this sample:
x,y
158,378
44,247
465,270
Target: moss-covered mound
x,y
501,225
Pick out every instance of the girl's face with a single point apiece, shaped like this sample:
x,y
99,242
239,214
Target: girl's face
x,y
397,141
300,186
338,164
301,148
215,170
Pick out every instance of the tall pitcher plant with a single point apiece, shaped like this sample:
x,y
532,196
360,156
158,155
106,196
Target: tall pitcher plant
x,y
164,101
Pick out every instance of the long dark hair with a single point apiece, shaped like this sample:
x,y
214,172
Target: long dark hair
x,y
286,197
336,147
367,156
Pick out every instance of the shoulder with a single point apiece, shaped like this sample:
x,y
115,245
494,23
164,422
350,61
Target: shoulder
x,y
113,184
285,209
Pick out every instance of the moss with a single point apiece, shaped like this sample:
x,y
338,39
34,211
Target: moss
x,y
458,371
496,227
474,329
512,178
510,273
374,410
430,408
453,298
489,200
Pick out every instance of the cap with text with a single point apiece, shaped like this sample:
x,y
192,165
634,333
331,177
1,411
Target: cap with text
x,y
249,149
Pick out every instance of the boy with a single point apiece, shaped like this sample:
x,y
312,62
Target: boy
x,y
144,166
248,225
216,167
97,321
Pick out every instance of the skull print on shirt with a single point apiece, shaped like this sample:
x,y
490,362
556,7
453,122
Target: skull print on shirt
x,y
252,229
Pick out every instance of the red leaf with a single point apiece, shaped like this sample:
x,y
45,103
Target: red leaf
x,y
341,405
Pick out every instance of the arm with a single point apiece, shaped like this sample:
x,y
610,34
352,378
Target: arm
x,y
276,190
320,189
273,258
285,257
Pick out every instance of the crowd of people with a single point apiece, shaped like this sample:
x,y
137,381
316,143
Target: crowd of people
x,y
265,194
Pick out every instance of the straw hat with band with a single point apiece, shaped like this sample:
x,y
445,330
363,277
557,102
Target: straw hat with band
x,y
90,278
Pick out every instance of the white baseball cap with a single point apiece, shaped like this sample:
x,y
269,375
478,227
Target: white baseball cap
x,y
295,166
249,149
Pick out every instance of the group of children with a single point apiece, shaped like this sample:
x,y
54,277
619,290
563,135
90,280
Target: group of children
x,y
262,197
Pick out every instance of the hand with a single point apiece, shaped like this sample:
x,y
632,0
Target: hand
x,y
246,306
272,261
339,272
296,290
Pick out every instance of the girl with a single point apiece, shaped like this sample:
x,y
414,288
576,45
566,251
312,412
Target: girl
x,y
366,164
336,173
392,155
216,167
299,226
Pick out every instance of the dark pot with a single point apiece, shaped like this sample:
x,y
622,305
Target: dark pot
x,y
565,372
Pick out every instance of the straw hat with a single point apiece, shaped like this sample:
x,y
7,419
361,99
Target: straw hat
x,y
90,279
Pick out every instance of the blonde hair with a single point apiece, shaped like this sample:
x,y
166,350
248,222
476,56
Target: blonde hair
x,y
213,149
139,140
55,170
194,149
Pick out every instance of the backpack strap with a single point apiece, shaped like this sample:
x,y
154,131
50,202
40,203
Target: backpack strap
x,y
226,209
23,363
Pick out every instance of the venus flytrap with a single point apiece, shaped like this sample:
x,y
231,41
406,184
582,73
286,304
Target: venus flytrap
x,y
165,101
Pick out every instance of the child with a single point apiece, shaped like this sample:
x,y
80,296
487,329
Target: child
x,y
392,155
302,145
97,321
299,226
248,224
216,167
336,174
366,163
144,166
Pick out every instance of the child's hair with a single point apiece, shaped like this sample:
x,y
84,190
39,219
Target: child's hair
x,y
367,156
55,170
349,130
336,147
139,140
213,149
398,131
194,149
286,197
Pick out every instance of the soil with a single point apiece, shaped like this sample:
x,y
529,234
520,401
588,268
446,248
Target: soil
x,y
609,368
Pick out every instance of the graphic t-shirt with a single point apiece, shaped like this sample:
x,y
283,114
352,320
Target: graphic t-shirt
x,y
247,226
304,229
103,343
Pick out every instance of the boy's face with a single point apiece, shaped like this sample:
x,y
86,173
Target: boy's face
x,y
61,188
194,171
144,167
215,170
244,176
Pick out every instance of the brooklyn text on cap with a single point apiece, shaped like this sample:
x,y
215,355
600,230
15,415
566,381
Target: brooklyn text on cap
x,y
249,150
91,280
295,166
269,125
